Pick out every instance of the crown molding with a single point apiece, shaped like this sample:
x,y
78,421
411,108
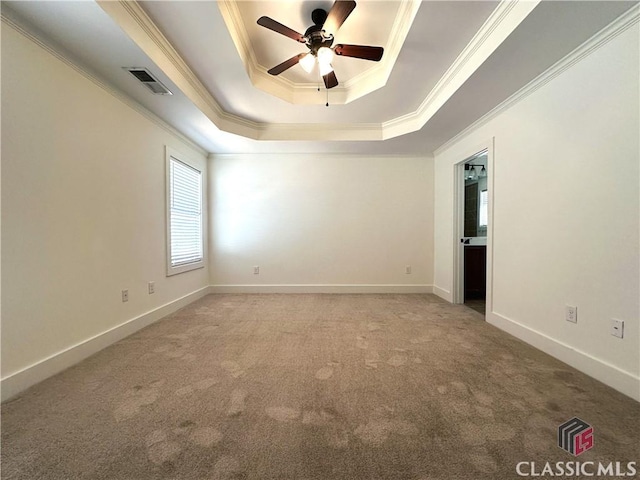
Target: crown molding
x,y
306,93
321,132
401,156
625,21
136,23
500,24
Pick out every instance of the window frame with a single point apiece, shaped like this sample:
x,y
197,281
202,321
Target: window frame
x,y
170,155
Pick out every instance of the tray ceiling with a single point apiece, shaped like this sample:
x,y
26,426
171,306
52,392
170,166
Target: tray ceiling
x,y
449,63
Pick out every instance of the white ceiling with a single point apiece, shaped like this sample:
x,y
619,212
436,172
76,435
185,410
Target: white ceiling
x,y
424,102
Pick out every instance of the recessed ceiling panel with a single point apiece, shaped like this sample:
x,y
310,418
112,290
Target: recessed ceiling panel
x,y
369,24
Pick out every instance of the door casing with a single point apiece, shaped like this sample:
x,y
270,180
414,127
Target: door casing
x,y
458,217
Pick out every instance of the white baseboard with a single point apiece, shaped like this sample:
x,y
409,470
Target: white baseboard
x,y
17,382
317,288
442,293
621,380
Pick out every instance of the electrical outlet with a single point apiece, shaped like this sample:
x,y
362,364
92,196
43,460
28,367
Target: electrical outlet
x,y
571,314
617,328
152,287
407,269
125,296
256,270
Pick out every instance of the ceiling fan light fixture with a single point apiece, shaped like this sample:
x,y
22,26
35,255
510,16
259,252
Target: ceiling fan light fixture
x,y
307,62
325,56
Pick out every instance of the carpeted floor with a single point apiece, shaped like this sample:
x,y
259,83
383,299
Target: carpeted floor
x,y
311,387
479,305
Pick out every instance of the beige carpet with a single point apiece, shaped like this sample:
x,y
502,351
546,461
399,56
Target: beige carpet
x,y
311,387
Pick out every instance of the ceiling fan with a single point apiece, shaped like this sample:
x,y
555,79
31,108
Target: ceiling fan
x,y
319,39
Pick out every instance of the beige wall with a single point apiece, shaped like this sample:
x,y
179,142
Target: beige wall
x,y
83,212
565,213
321,223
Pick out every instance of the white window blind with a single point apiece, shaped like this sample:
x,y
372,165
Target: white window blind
x,y
185,214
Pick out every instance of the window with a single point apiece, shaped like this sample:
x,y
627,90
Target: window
x,y
184,216
484,208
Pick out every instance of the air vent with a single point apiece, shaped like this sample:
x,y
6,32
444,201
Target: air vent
x,y
148,80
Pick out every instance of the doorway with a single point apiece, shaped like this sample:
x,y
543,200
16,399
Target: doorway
x,y
473,223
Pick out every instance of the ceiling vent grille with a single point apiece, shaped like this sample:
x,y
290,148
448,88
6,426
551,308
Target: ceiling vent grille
x,y
148,80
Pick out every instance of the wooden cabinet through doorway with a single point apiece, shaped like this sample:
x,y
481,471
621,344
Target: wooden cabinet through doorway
x,y
475,272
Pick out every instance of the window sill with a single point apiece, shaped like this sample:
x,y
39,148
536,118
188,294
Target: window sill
x,y
184,268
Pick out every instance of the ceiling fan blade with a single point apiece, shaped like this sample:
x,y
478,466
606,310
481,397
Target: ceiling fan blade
x,y
330,80
287,64
271,24
360,51
339,12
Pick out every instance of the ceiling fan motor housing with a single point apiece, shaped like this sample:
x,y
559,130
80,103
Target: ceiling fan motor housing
x,y
319,16
316,37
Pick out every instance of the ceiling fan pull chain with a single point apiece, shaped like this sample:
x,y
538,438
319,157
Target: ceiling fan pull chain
x,y
327,98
